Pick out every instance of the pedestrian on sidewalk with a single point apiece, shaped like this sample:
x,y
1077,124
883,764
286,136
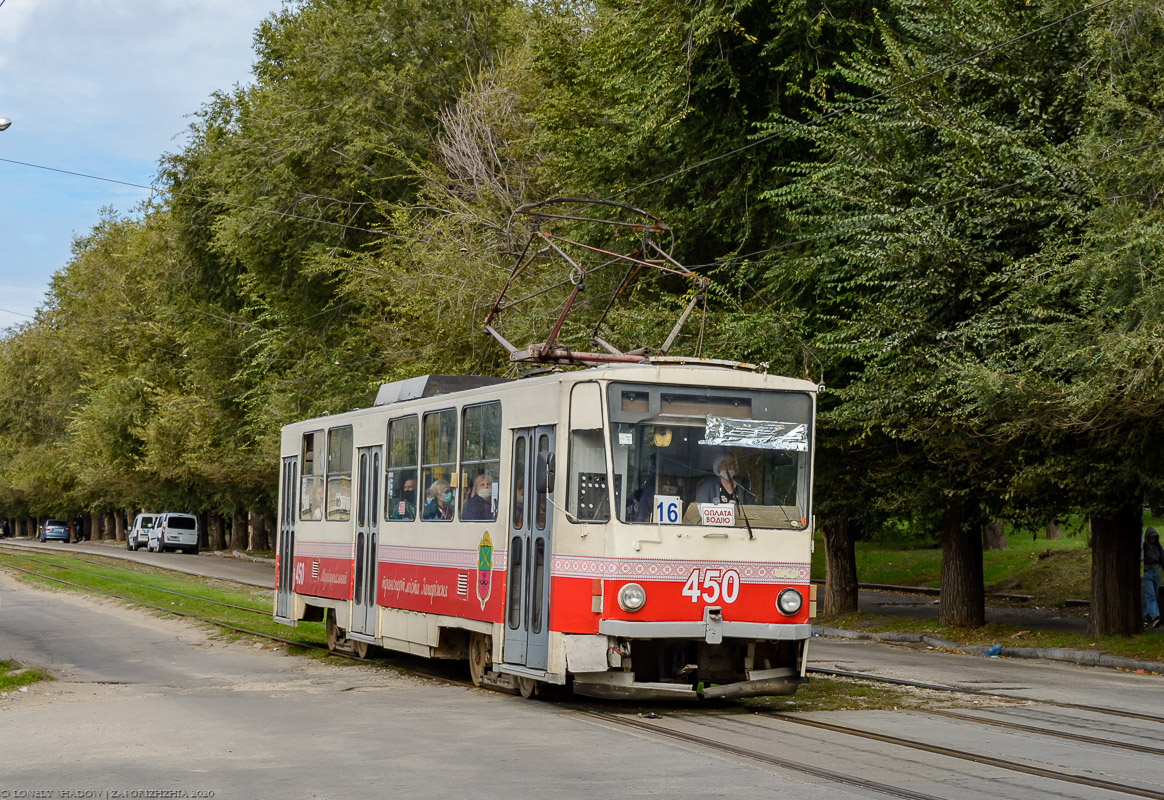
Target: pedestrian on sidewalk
x,y
1153,556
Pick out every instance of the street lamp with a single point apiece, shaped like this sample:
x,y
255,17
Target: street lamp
x,y
4,123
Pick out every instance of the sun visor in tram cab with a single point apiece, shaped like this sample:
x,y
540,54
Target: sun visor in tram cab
x,y
431,386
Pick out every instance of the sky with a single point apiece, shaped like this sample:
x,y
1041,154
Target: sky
x,y
105,88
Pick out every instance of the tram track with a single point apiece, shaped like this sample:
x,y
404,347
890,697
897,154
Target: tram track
x,y
1015,726
756,755
1050,773
1112,712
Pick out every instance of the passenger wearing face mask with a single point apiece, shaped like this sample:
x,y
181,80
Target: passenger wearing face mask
x,y
440,501
479,507
725,486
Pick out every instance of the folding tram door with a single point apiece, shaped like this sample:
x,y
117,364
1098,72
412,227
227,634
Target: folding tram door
x,y
367,541
284,584
527,636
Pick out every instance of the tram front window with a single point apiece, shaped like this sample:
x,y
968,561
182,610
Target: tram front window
x,y
705,456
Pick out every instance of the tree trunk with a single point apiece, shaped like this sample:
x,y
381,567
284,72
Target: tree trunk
x,y
217,532
269,532
1115,573
254,530
238,528
119,526
840,567
1052,528
963,601
995,535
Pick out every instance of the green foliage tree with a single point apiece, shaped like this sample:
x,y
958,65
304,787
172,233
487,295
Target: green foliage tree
x,y
906,222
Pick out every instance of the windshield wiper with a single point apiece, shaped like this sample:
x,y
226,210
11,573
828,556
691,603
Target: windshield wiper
x,y
739,505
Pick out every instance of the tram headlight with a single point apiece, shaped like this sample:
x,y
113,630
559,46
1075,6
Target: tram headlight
x,y
789,602
632,597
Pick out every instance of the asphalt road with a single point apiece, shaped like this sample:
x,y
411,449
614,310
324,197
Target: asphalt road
x,y
145,705
148,705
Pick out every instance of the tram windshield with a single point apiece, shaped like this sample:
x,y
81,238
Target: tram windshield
x,y
687,455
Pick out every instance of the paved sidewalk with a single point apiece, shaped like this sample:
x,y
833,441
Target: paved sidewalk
x,y
917,606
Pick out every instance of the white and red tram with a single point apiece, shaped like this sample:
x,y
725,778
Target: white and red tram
x,y
636,530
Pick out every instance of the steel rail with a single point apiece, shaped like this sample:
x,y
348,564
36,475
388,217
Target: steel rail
x,y
264,611
982,693
977,758
754,755
1075,737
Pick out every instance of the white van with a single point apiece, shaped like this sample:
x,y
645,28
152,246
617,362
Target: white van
x,y
139,534
174,532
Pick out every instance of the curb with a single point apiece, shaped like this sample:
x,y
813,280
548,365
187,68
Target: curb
x,y
1085,658
934,592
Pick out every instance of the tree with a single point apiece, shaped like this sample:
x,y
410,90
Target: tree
x,y
1075,363
906,221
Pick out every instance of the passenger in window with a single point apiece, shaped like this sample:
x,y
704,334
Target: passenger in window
x,y
479,507
405,508
440,501
519,503
725,486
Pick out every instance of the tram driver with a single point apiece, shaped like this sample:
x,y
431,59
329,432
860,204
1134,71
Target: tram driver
x,y
724,485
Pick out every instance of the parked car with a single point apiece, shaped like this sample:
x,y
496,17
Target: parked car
x,y
56,529
139,535
173,531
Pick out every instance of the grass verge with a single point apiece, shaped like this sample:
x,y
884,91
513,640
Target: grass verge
x,y
835,693
1052,571
12,676
149,586
1149,647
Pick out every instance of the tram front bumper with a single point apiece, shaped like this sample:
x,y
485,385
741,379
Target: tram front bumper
x,y
709,630
622,686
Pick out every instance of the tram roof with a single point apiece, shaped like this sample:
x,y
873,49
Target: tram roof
x,y
430,386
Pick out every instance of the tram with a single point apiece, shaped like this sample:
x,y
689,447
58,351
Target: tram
x,y
634,530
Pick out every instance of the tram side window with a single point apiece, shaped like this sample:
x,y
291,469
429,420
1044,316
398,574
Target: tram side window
x,y
339,474
481,461
311,477
438,473
588,496
400,477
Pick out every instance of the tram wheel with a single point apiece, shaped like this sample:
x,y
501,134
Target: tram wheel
x,y
333,632
480,657
526,687
359,649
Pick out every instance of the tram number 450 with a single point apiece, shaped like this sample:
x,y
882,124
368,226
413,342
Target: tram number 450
x,y
712,585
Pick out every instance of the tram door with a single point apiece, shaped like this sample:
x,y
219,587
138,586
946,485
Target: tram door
x,y
367,535
284,585
527,602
